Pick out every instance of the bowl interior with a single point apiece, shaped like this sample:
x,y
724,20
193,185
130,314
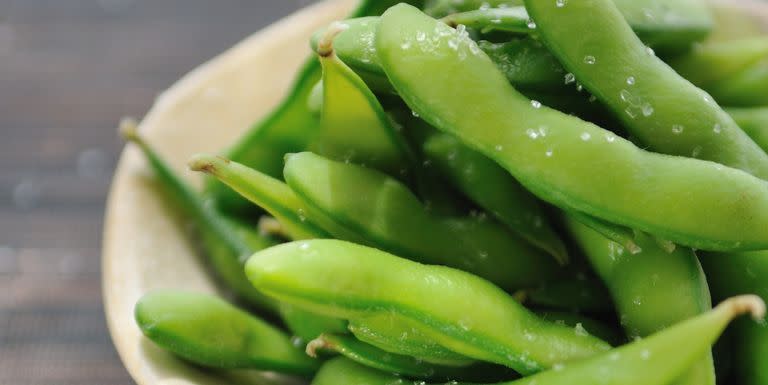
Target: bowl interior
x,y
204,112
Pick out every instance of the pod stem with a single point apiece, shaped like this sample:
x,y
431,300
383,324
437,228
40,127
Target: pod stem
x,y
744,304
319,343
325,44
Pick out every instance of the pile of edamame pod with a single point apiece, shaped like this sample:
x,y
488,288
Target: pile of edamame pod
x,y
513,192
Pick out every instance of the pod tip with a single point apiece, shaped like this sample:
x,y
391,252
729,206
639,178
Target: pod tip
x,y
744,304
129,129
206,163
325,45
315,345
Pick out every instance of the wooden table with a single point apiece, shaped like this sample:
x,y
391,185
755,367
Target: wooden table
x,y
69,69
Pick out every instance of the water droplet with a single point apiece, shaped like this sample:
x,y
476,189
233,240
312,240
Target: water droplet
x,y
677,129
631,80
610,138
297,342
570,78
304,246
585,136
533,134
415,114
406,45
301,214
647,110
421,36
580,331
650,51
536,104
696,151
531,24
718,128
483,254
589,59
499,147
637,301
625,96
645,354
549,153
560,3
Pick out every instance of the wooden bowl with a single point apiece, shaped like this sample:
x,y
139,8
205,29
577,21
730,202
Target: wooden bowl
x,y
207,110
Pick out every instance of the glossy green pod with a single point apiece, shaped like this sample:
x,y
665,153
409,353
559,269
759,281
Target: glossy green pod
x,y
227,242
713,62
567,165
656,360
735,274
373,357
210,332
269,193
507,19
353,125
493,189
658,106
745,89
483,322
385,214
580,294
641,283
666,25
392,333
287,128
754,121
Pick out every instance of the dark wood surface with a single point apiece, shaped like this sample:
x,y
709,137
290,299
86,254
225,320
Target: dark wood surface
x,y
69,69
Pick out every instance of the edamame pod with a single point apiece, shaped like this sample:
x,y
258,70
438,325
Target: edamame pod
x,y
641,283
656,360
713,62
386,215
567,165
373,357
667,25
659,107
745,89
392,333
353,125
493,189
210,332
736,274
287,128
348,281
227,242
269,193
754,121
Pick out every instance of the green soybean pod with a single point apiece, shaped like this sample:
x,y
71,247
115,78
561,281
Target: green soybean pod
x,y
745,89
210,332
353,125
354,46
713,62
227,242
269,193
383,213
641,283
567,165
754,121
395,334
493,189
658,106
736,274
399,364
348,281
656,360
287,128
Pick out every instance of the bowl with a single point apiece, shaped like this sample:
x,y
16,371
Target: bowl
x,y
208,109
